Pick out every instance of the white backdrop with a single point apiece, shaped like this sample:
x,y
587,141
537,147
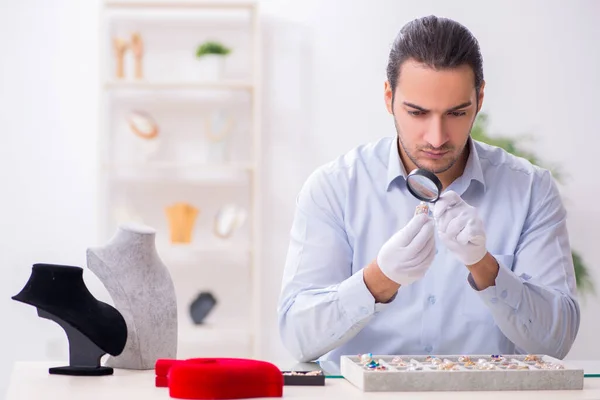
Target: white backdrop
x,y
324,67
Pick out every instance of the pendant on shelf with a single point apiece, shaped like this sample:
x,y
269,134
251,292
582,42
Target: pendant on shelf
x,y
218,127
182,217
145,128
229,219
143,125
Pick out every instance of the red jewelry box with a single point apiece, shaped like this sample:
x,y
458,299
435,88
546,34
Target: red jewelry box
x,y
219,378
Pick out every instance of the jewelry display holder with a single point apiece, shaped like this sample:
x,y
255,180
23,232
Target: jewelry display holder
x,y
146,134
218,126
93,328
204,303
182,217
142,290
228,219
372,373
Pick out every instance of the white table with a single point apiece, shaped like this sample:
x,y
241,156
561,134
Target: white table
x,y
30,380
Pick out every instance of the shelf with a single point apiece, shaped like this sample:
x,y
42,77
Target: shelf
x,y
181,4
165,86
181,251
177,172
167,165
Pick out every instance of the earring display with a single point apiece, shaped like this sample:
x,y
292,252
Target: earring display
x,y
93,328
137,48
203,304
408,373
142,290
120,46
229,219
182,217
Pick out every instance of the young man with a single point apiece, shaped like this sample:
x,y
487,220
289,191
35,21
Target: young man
x,y
490,272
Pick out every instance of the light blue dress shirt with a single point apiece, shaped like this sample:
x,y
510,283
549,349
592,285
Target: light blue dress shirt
x,y
350,207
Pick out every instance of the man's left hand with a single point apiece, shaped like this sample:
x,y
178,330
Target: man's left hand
x,y
460,228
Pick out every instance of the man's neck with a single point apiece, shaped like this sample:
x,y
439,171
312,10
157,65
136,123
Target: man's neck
x,y
446,177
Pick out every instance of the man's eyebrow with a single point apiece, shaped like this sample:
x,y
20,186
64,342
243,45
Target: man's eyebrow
x,y
414,106
458,107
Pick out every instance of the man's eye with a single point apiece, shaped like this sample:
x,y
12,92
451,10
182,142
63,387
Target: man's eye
x,y
458,113
415,113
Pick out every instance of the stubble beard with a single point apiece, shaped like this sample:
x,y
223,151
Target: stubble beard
x,y
416,162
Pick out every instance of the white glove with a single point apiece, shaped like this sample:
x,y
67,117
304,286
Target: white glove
x,y
407,255
460,228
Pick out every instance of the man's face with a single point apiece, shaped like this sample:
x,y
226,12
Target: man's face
x,y
433,113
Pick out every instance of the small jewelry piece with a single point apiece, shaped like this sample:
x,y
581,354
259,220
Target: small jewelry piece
x,y
464,359
469,363
422,208
496,357
540,365
523,367
436,361
512,366
531,357
366,358
308,373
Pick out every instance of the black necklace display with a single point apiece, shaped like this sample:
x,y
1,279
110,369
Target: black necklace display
x,y
93,328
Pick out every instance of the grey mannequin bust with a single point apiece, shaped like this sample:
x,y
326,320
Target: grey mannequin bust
x,y
142,290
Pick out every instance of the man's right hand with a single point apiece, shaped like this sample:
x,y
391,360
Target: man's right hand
x,y
407,255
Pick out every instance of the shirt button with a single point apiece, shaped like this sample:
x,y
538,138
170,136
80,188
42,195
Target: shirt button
x,y
364,310
431,299
494,300
503,294
428,349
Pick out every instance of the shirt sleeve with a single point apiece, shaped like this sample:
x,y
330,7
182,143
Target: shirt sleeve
x,y
322,303
534,299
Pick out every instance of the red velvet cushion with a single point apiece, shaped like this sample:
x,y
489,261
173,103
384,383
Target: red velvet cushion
x,y
221,378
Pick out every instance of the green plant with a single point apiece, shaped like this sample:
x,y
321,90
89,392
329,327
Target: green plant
x,y
212,48
479,132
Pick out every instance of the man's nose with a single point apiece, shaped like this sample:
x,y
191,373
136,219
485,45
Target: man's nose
x,y
435,133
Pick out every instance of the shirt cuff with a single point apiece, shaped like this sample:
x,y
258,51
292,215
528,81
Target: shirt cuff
x,y
508,288
356,300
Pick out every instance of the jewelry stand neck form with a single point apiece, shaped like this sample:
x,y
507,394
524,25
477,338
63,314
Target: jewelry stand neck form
x,y
141,288
93,328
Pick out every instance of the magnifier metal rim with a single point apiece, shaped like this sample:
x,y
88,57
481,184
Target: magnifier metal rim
x,y
429,175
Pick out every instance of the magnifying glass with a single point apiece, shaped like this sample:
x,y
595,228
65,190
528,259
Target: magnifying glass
x,y
425,186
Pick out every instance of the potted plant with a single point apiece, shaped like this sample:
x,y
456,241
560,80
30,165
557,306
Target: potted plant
x,y
212,55
479,132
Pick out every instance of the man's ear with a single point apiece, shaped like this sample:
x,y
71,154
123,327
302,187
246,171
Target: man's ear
x,y
480,96
388,96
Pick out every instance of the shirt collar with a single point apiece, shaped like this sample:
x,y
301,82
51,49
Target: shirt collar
x,y
473,170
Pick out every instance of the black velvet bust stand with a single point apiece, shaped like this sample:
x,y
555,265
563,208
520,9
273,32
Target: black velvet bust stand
x,y
93,328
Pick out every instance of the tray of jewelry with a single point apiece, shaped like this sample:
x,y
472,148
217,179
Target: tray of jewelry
x,y
372,373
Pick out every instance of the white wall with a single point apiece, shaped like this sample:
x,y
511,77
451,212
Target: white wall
x,y
324,70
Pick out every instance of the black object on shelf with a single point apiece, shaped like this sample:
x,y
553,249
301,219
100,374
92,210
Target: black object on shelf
x,y
202,306
303,378
93,328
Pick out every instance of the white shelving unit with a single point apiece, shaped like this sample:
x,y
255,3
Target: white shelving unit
x,y
140,178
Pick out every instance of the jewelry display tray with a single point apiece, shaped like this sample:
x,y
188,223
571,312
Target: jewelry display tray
x,y
430,378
